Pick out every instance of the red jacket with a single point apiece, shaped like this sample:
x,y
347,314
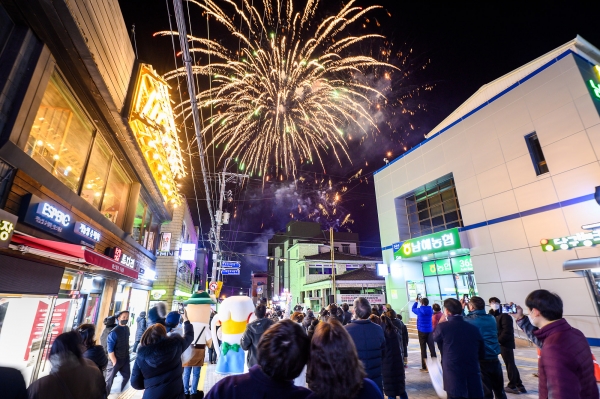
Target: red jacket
x,y
435,319
566,368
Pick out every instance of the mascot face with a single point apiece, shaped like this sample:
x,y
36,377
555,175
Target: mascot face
x,y
198,313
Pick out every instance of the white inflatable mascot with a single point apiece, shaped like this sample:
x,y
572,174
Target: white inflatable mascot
x,y
233,316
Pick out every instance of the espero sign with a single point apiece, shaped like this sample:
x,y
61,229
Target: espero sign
x,y
49,217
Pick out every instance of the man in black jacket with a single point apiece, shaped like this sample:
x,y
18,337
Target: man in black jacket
x,y
506,338
142,324
253,332
347,314
118,352
462,345
369,340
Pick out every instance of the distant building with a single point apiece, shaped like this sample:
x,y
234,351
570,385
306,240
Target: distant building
x,y
301,256
176,260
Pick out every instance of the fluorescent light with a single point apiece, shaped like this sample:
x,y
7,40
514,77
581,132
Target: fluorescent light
x,y
591,226
382,270
181,293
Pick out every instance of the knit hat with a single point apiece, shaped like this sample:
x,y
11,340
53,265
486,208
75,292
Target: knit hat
x,y
172,319
200,298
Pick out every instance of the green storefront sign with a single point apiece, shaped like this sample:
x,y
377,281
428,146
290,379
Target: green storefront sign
x,y
442,241
462,264
438,267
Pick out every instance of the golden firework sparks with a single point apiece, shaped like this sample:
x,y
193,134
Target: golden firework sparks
x,y
293,90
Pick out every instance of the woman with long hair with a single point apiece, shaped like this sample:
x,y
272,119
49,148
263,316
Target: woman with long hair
x,y
334,369
71,375
392,367
157,368
92,351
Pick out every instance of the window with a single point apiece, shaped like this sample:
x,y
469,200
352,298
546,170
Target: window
x,y
142,222
432,208
352,267
61,134
96,176
114,203
537,155
346,248
319,269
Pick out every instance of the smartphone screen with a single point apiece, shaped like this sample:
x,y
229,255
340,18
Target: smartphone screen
x,y
181,308
508,308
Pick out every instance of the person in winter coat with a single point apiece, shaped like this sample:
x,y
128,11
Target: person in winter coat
x,y
462,345
12,383
333,313
392,370
424,328
334,368
157,368
311,329
369,340
310,316
71,375
491,369
506,339
212,353
397,321
110,322
565,366
157,314
142,324
347,314
437,315
92,351
253,332
282,353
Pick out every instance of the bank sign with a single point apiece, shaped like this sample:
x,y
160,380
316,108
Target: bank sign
x,y
446,240
47,216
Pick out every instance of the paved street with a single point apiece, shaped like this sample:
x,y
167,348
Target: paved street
x,y
417,383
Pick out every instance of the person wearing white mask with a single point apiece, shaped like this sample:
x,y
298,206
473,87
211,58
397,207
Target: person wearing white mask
x,y
506,339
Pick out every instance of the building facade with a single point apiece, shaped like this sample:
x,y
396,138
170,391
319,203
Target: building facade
x,y
81,196
177,260
497,199
278,252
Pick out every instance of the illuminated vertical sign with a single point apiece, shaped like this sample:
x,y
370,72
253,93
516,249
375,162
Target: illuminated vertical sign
x,y
153,124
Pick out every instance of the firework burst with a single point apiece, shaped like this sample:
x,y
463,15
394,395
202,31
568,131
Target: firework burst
x,y
292,90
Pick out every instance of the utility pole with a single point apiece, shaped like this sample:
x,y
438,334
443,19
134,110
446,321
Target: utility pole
x,y
224,178
187,60
333,290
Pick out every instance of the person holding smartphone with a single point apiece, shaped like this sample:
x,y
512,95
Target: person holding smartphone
x,y
506,339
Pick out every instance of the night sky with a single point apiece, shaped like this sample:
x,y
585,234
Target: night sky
x,y
453,47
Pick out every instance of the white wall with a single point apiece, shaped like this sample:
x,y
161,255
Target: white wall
x,y
488,157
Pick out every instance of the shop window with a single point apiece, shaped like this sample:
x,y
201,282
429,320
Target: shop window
x,y
61,134
537,155
431,208
114,203
97,173
151,236
142,223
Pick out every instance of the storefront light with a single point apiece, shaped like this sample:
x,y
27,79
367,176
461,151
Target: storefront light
x,y
149,274
181,293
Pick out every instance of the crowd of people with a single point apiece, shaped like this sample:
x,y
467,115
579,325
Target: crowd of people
x,y
333,354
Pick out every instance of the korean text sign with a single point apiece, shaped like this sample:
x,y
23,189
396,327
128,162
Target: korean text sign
x,y
441,241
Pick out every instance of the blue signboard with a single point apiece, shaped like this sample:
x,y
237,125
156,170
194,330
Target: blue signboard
x,y
54,219
230,272
230,263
